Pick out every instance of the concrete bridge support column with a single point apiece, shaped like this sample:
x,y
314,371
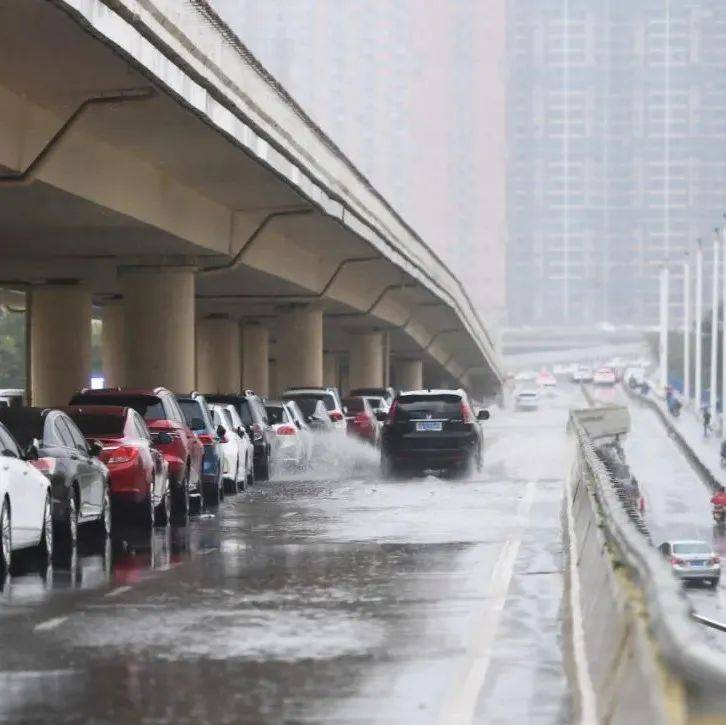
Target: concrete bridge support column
x,y
113,343
219,355
409,374
159,310
300,347
366,360
331,369
255,358
60,342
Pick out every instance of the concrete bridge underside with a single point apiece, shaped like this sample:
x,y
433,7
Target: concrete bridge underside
x,y
151,172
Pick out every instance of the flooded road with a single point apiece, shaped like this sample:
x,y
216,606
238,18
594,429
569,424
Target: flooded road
x,y
330,598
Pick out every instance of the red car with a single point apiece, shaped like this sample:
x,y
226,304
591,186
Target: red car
x,y
139,474
161,412
361,420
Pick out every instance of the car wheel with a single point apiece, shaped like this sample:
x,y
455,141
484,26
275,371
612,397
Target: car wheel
x,y
67,531
6,540
45,547
162,515
715,582
145,513
102,526
180,499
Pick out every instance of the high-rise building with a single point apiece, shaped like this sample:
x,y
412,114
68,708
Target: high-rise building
x,y
617,149
414,93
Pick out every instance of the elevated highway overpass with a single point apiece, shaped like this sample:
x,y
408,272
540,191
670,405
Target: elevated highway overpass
x,y
152,169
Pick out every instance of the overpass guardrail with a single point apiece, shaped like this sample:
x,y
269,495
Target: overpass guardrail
x,y
647,660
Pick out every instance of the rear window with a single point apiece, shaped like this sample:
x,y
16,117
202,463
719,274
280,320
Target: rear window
x,y
354,405
275,414
693,547
299,398
103,426
240,403
306,405
375,403
25,429
416,407
149,407
194,415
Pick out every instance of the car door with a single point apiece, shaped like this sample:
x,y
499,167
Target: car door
x,y
25,493
91,477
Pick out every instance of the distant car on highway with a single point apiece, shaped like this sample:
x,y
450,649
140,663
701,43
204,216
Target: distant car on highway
x,y
546,379
432,430
582,374
693,560
604,377
525,376
526,400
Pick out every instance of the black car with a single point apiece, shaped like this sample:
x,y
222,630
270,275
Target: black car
x,y
432,430
254,417
196,412
79,481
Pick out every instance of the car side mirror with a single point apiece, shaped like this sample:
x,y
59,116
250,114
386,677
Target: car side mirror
x,y
241,432
482,415
381,415
31,452
221,430
162,438
95,448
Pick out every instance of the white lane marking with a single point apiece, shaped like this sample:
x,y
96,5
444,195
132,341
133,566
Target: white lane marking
x,y
460,705
588,710
49,624
118,590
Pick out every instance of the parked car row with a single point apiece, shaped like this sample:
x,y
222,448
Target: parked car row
x,y
149,454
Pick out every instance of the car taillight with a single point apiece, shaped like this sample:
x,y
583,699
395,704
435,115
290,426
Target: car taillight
x,y
714,560
677,562
336,416
205,439
45,465
257,431
124,454
391,413
466,415
362,418
286,430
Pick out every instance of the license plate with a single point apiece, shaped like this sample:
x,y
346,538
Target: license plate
x,y
698,563
429,425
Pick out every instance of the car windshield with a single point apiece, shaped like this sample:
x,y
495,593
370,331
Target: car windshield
x,y
194,415
275,414
416,407
102,426
692,547
300,398
149,407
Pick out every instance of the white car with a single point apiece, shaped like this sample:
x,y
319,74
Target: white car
x,y
306,432
288,448
582,374
238,453
26,517
330,399
693,560
526,400
604,376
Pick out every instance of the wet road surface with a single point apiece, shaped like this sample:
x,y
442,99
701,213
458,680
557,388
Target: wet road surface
x,y
677,504
330,599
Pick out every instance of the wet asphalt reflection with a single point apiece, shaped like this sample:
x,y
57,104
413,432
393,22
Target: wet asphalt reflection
x,y
317,598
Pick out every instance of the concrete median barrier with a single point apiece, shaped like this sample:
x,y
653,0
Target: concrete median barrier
x,y
644,659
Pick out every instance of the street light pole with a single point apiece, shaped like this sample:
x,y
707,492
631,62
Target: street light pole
x,y
714,323
687,330
699,325
663,343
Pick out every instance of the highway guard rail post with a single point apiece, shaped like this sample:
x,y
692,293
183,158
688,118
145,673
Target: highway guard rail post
x,y
647,661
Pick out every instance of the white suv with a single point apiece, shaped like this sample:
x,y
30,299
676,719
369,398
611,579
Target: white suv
x,y
329,397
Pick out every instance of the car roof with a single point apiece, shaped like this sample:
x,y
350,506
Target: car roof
x,y
433,391
688,541
124,391
274,403
119,411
